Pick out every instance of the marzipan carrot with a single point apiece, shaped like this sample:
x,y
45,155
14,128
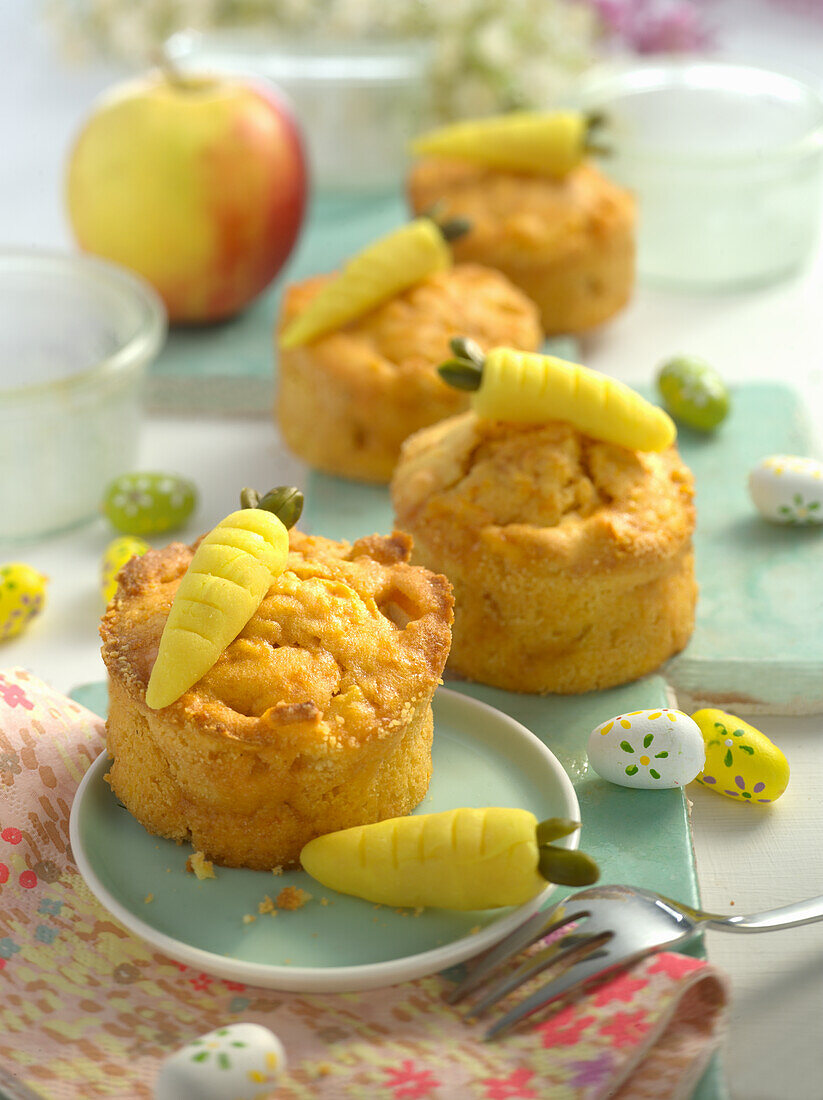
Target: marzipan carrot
x,y
379,272
533,388
549,143
227,578
458,859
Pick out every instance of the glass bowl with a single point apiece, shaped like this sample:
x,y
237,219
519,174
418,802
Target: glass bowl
x,y
76,337
725,161
359,103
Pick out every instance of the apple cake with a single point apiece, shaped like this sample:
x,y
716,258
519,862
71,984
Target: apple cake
x,y
315,718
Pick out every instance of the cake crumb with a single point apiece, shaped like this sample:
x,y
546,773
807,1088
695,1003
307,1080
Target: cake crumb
x,y
277,870
201,866
249,918
266,905
292,897
324,901
148,898
473,931
418,909
323,1069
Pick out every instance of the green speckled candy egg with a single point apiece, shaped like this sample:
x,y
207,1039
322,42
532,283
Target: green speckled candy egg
x,y
117,553
741,762
22,596
148,503
693,392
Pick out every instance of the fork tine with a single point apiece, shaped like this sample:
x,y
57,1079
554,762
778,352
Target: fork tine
x,y
575,948
566,982
535,928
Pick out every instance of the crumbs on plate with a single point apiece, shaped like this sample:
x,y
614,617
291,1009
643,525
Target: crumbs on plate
x,y
292,897
148,898
201,866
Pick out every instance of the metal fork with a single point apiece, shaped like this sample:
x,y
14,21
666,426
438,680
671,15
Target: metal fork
x,y
614,927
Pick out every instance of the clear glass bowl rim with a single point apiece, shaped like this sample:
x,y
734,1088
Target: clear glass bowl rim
x,y
616,77
140,348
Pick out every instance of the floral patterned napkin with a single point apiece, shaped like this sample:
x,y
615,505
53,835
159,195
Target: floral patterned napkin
x,y
88,1010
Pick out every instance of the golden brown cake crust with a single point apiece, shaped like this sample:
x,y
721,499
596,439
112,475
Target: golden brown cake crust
x,y
571,559
316,717
347,401
567,243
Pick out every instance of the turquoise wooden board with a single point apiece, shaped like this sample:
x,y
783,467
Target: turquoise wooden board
x,y
758,642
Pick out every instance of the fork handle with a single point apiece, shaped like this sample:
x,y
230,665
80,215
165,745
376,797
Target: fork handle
x,y
787,916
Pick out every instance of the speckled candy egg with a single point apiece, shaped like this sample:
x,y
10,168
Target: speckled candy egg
x,y
117,553
148,503
693,392
788,489
235,1062
651,749
741,762
22,596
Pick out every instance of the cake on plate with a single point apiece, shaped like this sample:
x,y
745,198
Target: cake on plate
x,y
316,717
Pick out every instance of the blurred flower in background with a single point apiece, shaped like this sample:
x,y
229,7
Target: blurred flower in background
x,y
487,56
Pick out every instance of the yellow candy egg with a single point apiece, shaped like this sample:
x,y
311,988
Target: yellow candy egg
x,y
117,553
741,762
22,595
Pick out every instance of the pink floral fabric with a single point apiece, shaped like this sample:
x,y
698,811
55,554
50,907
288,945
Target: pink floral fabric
x,y
88,1010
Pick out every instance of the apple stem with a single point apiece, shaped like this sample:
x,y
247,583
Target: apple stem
x,y
169,69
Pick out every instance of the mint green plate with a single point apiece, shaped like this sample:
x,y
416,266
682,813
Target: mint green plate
x,y
481,757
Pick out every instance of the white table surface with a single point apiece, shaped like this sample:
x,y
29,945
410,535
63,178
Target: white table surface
x,y
746,860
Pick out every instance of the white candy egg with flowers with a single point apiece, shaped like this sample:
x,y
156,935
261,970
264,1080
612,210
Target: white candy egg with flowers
x,y
241,1061
650,749
788,489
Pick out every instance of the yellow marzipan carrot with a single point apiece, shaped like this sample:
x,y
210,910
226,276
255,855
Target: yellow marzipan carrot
x,y
531,388
549,143
373,276
458,859
227,578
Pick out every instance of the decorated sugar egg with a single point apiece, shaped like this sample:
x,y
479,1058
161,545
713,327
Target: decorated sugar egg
x,y
117,553
235,1062
741,762
22,596
693,392
148,503
651,749
788,489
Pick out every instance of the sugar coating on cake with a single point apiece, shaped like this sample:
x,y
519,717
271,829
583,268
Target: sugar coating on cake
x,y
347,401
316,717
567,243
571,559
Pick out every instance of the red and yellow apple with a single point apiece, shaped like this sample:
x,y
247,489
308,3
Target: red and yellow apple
x,y
198,183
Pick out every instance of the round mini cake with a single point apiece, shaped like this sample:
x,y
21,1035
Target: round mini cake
x,y
347,400
571,559
316,717
567,242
